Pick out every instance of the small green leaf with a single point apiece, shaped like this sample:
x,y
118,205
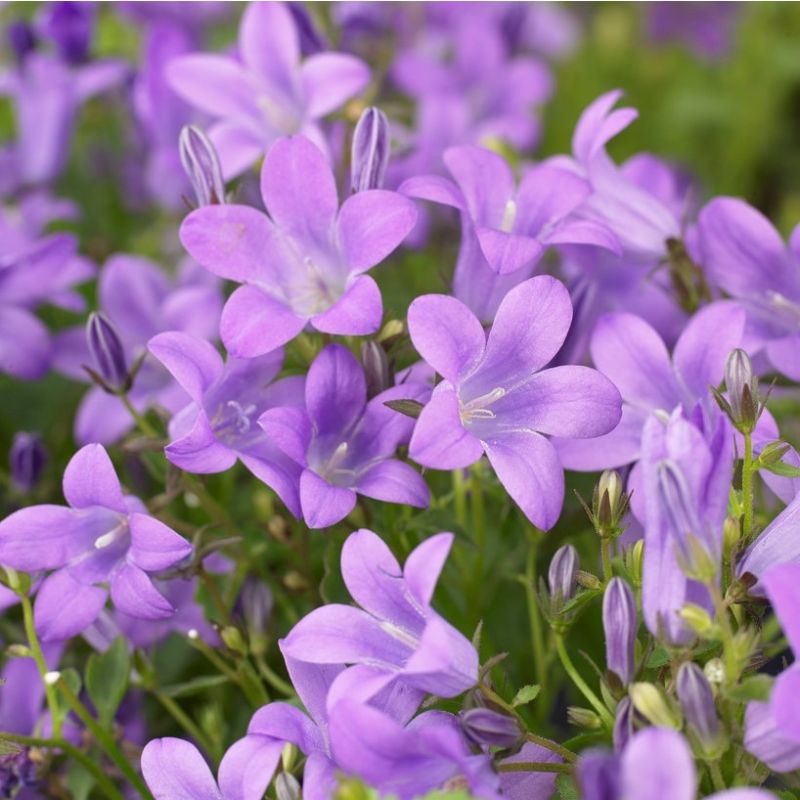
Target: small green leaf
x,y
194,686
756,687
107,679
783,469
8,748
566,788
411,408
525,695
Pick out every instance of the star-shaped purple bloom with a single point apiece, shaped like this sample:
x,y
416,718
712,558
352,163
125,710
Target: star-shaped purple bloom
x,y
220,423
269,93
343,443
303,263
497,398
101,537
396,630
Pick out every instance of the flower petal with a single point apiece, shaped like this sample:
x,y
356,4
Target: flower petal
x,y
247,767
64,607
193,362
331,79
133,593
199,451
154,545
424,565
174,770
91,480
671,776
323,504
357,312
394,481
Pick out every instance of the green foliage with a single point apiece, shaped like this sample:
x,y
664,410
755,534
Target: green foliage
x,y
107,677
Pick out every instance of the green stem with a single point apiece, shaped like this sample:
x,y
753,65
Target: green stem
x,y
567,755
216,596
479,523
534,766
716,775
215,510
460,497
41,664
186,722
747,488
103,738
272,678
605,549
728,649
102,780
144,426
254,694
573,673
534,612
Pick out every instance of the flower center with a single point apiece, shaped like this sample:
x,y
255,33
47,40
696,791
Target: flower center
x,y
112,536
478,408
509,217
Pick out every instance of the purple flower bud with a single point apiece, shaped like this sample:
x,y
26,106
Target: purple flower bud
x,y
201,163
487,728
562,573
21,39
697,701
27,459
370,153
620,624
742,388
598,773
69,26
376,368
623,724
255,607
108,354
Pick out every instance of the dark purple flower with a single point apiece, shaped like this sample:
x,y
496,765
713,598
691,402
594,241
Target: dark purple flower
x,y
107,351
306,261
101,537
344,444
707,28
269,93
21,38
69,26
27,459
220,424
497,398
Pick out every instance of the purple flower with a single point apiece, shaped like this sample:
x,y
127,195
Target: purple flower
x,y
174,770
773,729
395,630
219,425
496,398
697,702
305,262
620,624
100,537
707,28
141,301
344,445
686,473
626,349
744,255
269,93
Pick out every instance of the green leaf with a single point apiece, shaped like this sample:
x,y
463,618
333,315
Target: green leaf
x,y
80,781
783,469
8,748
194,686
566,788
411,408
107,679
756,687
525,695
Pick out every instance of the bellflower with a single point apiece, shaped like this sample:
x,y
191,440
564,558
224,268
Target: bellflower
x,y
496,398
219,425
773,729
303,263
744,255
344,445
100,537
269,92
627,349
396,629
141,301
686,476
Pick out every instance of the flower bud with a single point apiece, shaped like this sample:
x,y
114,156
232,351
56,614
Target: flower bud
x,y
201,164
287,786
620,624
27,459
376,368
742,388
21,39
584,718
108,354
487,728
633,558
255,606
654,706
697,703
562,574
623,724
69,26
609,503
233,639
370,152
714,670
697,618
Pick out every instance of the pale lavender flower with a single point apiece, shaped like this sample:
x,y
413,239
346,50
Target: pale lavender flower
x,y
101,537
270,92
343,444
306,261
496,398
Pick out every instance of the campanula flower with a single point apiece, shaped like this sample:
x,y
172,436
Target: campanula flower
x,y
497,399
220,424
343,444
305,262
100,537
269,92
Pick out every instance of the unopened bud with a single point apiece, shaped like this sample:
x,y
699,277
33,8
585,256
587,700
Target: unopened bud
x,y
654,706
609,503
108,354
370,152
391,330
697,618
233,639
584,718
201,163
21,39
697,702
742,386
714,670
487,728
562,574
69,26
731,533
376,368
620,623
633,558
287,786
772,452
255,606
623,724
27,459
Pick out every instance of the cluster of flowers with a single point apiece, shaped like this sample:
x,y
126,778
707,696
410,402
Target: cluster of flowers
x,y
595,321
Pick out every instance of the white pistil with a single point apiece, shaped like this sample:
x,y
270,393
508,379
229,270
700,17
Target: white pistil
x,y
478,407
509,216
109,538
402,635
